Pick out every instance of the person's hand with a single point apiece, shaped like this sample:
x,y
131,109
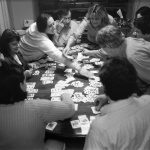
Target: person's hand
x,y
64,96
86,73
59,26
100,101
86,52
66,50
28,73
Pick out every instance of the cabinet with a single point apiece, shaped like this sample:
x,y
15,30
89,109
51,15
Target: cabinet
x,y
79,7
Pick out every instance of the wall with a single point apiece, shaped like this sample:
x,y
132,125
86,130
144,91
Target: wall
x,y
21,10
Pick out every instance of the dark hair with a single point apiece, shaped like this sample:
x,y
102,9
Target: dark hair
x,y
118,77
41,22
143,24
63,12
10,79
143,11
8,36
100,11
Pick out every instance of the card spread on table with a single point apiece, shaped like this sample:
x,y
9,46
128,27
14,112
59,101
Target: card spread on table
x,y
76,107
48,75
30,95
75,124
47,81
92,118
95,111
32,90
56,98
51,126
47,78
49,71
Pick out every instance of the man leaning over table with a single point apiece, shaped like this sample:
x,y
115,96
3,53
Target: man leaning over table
x,y
65,27
35,44
124,123
136,50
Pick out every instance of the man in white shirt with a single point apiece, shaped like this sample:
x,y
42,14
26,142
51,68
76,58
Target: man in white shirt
x,y
124,123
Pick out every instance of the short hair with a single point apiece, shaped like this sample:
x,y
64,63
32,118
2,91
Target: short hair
x,y
8,36
41,22
143,24
101,12
110,36
118,77
10,79
63,12
143,11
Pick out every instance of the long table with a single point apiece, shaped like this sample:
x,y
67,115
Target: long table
x,y
64,128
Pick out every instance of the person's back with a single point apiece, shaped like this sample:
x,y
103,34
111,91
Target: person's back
x,y
138,53
124,123
23,122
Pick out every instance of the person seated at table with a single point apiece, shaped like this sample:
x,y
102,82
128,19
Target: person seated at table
x,y
142,27
23,122
9,48
124,123
141,12
96,18
136,50
65,27
35,44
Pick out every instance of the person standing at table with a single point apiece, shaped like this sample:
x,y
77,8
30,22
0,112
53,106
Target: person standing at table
x,y
22,122
65,27
124,123
136,50
9,48
96,18
35,44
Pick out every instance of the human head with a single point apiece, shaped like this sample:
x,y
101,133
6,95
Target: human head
x,y
9,42
142,12
98,16
65,14
110,36
45,23
12,84
142,27
118,77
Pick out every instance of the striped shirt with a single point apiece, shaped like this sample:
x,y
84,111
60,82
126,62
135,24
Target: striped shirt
x,y
22,125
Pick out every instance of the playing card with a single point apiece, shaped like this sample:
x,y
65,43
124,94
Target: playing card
x,y
95,111
83,120
75,124
32,90
92,118
76,107
85,129
47,81
56,98
51,126
30,95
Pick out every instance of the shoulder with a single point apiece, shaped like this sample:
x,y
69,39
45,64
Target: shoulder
x,y
144,100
